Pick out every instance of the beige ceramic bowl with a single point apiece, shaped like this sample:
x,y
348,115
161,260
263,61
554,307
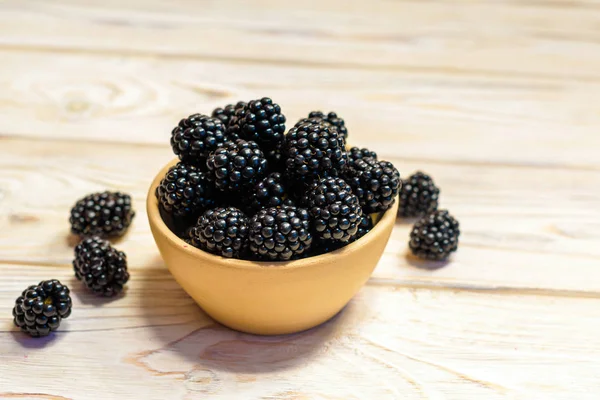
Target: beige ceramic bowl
x,y
266,297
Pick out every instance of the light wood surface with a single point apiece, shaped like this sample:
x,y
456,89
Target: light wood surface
x,y
497,100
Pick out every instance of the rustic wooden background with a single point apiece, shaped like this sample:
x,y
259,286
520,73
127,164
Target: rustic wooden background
x,y
498,100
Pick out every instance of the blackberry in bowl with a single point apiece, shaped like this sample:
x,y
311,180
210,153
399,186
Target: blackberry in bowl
x,y
281,286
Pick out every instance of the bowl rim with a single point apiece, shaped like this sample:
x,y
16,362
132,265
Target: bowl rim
x,y
154,218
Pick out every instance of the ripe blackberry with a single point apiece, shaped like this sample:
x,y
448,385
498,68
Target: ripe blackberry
x,y
185,191
225,114
105,214
435,236
365,226
236,165
279,234
222,231
196,136
333,119
314,149
260,121
40,308
418,196
376,183
102,268
335,210
356,153
269,192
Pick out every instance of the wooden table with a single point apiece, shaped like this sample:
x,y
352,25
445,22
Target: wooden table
x,y
498,101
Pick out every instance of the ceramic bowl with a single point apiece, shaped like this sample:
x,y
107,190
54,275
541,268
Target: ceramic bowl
x,y
269,297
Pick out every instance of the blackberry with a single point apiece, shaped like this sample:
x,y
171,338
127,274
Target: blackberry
x,y
376,183
260,121
333,119
418,196
356,153
335,210
236,165
102,268
435,236
269,192
105,214
225,114
196,136
364,227
40,308
280,234
222,231
185,191
314,149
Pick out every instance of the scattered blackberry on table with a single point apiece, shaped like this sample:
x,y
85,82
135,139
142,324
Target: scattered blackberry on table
x,y
435,236
105,214
418,196
260,121
102,268
196,136
222,231
279,234
333,119
225,114
314,149
236,165
356,153
185,191
269,192
335,210
40,308
376,183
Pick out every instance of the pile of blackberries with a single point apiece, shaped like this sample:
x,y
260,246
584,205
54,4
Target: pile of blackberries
x,y
246,188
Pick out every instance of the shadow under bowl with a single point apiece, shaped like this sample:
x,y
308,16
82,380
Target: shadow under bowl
x,y
269,298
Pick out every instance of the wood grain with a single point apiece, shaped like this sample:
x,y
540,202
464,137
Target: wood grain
x,y
497,100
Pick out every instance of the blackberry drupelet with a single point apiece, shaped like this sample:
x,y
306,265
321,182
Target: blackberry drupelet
x,y
335,210
280,234
269,192
222,231
102,268
418,196
376,183
314,149
356,153
185,191
105,214
236,166
333,119
225,114
435,236
40,308
195,137
260,121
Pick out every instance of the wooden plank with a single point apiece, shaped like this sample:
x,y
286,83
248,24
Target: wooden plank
x,y
522,228
387,344
408,115
530,38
